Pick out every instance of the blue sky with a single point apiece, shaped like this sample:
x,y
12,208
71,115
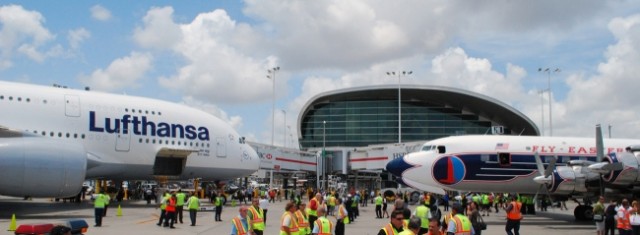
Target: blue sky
x,y
214,55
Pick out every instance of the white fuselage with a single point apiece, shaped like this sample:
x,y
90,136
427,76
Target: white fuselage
x,y
123,136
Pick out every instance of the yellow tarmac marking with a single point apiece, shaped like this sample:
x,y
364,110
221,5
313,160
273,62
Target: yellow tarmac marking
x,y
155,218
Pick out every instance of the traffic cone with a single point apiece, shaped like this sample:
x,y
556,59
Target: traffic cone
x,y
12,225
119,212
233,202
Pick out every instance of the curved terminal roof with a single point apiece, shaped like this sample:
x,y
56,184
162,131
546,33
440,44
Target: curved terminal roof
x,y
470,102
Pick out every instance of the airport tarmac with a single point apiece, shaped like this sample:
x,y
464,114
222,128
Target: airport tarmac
x,y
139,218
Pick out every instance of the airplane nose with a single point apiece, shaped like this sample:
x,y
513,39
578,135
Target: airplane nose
x,y
398,166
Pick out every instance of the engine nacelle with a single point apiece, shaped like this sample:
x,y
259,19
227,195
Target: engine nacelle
x,y
629,173
41,167
570,179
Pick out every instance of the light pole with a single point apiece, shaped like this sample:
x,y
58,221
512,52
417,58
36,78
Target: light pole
x,y
271,74
541,92
548,71
400,74
324,135
284,131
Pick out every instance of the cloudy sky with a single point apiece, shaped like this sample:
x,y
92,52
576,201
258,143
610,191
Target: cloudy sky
x,y
214,55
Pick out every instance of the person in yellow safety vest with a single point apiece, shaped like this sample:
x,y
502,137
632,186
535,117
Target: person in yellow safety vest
x,y
314,204
485,205
255,217
513,216
218,204
288,223
414,226
378,200
180,197
459,224
342,218
193,204
163,207
302,220
622,218
422,212
445,221
427,199
323,225
239,224
331,204
395,226
98,205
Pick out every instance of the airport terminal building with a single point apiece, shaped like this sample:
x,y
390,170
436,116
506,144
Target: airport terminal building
x,y
358,128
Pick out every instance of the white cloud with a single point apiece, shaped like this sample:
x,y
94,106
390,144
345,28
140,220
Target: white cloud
x,y
234,121
22,31
100,13
121,73
159,31
77,36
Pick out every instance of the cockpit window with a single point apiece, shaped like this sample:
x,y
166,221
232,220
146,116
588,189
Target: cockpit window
x,y
427,148
442,149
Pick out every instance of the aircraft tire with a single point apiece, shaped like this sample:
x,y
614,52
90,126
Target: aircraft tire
x,y
583,213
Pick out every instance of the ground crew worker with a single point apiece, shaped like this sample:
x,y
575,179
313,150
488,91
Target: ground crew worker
x,y
323,225
422,212
180,199
193,203
163,207
434,226
342,218
622,217
302,220
331,204
378,201
459,224
485,209
513,217
98,205
218,204
171,212
288,225
395,226
239,224
414,225
427,199
255,217
314,204
445,221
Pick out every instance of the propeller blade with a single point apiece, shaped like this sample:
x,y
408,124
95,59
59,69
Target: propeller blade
x,y
618,166
539,163
551,167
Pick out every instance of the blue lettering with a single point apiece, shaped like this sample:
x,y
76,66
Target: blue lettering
x,y
141,126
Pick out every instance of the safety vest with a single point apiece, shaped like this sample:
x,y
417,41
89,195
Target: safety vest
x,y
171,205
99,201
447,218
218,201
406,232
293,227
194,203
332,200
390,230
303,223
324,226
239,226
312,211
515,214
378,200
257,218
180,196
341,214
623,222
422,212
463,225
165,200
427,200
485,199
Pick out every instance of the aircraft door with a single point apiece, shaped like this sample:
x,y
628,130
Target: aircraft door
x,y
123,141
71,106
221,147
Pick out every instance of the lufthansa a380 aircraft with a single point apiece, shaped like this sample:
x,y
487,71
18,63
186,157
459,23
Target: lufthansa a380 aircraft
x,y
523,164
53,138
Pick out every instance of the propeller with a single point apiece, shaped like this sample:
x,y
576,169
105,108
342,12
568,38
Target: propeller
x,y
545,175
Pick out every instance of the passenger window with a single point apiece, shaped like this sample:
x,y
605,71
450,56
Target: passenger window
x,y
504,159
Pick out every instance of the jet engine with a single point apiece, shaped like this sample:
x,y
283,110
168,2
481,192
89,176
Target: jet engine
x,y
41,167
